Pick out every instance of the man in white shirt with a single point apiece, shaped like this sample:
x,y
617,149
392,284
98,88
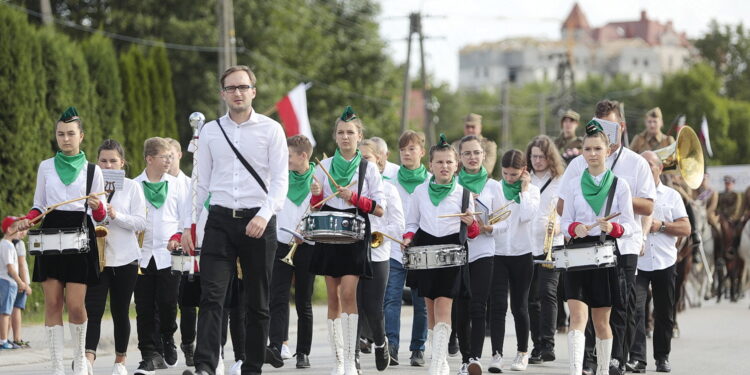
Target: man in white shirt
x,y
657,268
633,169
243,164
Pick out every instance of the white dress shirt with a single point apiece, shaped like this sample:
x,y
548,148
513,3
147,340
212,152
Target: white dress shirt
x,y
422,214
577,209
660,250
130,217
547,201
406,199
518,238
164,222
391,170
391,223
51,190
262,142
290,217
483,245
372,187
632,168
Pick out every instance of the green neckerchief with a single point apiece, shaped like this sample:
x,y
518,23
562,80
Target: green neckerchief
x,y
342,170
299,185
474,182
155,192
411,178
595,194
207,203
385,177
68,167
438,192
512,192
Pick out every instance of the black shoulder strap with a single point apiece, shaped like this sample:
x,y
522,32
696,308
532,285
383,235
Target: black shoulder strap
x,y
361,178
462,234
242,159
610,198
619,153
90,169
549,180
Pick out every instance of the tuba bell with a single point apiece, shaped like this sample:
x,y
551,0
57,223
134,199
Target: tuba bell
x,y
377,239
684,157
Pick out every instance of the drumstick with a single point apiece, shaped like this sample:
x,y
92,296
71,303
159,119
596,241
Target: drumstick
x,y
333,195
393,239
327,174
607,218
51,208
461,214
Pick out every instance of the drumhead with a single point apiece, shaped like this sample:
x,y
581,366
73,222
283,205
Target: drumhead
x,y
332,213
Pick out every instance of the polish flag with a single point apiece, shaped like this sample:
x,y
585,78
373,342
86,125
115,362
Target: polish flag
x,y
293,112
704,136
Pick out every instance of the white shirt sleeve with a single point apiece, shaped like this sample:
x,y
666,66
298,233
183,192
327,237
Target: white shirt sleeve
x,y
135,220
278,162
203,167
646,187
40,198
412,216
529,203
395,214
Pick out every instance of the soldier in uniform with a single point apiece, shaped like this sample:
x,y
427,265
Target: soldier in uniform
x,y
473,126
567,142
730,201
652,138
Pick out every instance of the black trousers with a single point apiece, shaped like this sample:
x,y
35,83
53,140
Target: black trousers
x,y
622,318
663,288
471,313
155,293
543,306
281,284
234,320
510,274
370,300
223,242
119,282
188,324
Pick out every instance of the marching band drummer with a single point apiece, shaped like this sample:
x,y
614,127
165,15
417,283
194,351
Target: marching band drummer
x,y
343,265
471,313
64,277
371,292
546,167
127,216
513,263
440,196
156,290
582,220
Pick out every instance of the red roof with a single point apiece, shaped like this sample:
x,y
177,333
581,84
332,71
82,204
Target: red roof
x,y
576,19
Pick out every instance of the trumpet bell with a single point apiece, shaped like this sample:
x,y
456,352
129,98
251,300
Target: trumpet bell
x,y
377,240
684,157
502,216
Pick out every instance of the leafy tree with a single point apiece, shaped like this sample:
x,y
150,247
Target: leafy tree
x,y
105,76
726,48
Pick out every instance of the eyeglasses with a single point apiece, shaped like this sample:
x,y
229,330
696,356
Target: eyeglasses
x,y
232,89
539,157
469,153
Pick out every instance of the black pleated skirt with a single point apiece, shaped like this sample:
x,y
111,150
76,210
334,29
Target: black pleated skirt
x,y
451,282
338,260
82,268
597,287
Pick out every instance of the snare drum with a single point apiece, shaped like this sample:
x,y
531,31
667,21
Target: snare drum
x,y
433,256
182,262
53,241
584,256
333,227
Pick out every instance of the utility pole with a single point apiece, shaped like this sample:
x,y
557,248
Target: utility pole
x,y
46,9
542,126
505,108
227,38
413,22
429,125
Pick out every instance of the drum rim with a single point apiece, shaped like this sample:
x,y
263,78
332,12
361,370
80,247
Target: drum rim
x,y
342,214
434,247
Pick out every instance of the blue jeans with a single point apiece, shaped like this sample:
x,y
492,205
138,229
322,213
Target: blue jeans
x,y
392,309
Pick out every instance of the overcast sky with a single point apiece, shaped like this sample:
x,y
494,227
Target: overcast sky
x,y
464,22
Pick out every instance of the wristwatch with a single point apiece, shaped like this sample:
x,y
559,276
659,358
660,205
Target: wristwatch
x,y
663,227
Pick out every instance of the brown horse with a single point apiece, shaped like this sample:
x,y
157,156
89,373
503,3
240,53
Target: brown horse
x,y
729,264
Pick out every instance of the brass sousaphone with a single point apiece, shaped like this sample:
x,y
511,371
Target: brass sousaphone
x,y
684,157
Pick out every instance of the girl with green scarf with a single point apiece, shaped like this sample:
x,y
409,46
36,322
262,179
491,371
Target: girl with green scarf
x,y
513,262
582,220
343,264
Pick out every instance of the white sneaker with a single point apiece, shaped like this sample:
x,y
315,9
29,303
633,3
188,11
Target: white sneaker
x,y
119,369
285,352
463,369
474,367
236,368
521,361
496,366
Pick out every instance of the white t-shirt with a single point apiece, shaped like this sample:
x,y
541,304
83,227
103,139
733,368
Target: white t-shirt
x,y
7,256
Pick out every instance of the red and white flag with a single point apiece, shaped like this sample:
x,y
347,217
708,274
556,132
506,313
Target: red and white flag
x,y
704,135
293,113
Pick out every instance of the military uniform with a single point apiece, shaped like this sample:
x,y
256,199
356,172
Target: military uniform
x,y
730,205
647,142
568,145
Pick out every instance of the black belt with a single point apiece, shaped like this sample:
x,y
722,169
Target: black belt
x,y
236,214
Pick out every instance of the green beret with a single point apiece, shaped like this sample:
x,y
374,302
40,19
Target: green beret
x,y
69,115
443,140
593,127
348,114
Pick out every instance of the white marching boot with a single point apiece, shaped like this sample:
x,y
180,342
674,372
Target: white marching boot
x,y
428,344
576,346
439,361
349,325
335,338
55,344
603,354
78,335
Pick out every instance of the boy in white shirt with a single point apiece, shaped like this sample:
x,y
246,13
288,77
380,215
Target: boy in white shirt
x,y
10,281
